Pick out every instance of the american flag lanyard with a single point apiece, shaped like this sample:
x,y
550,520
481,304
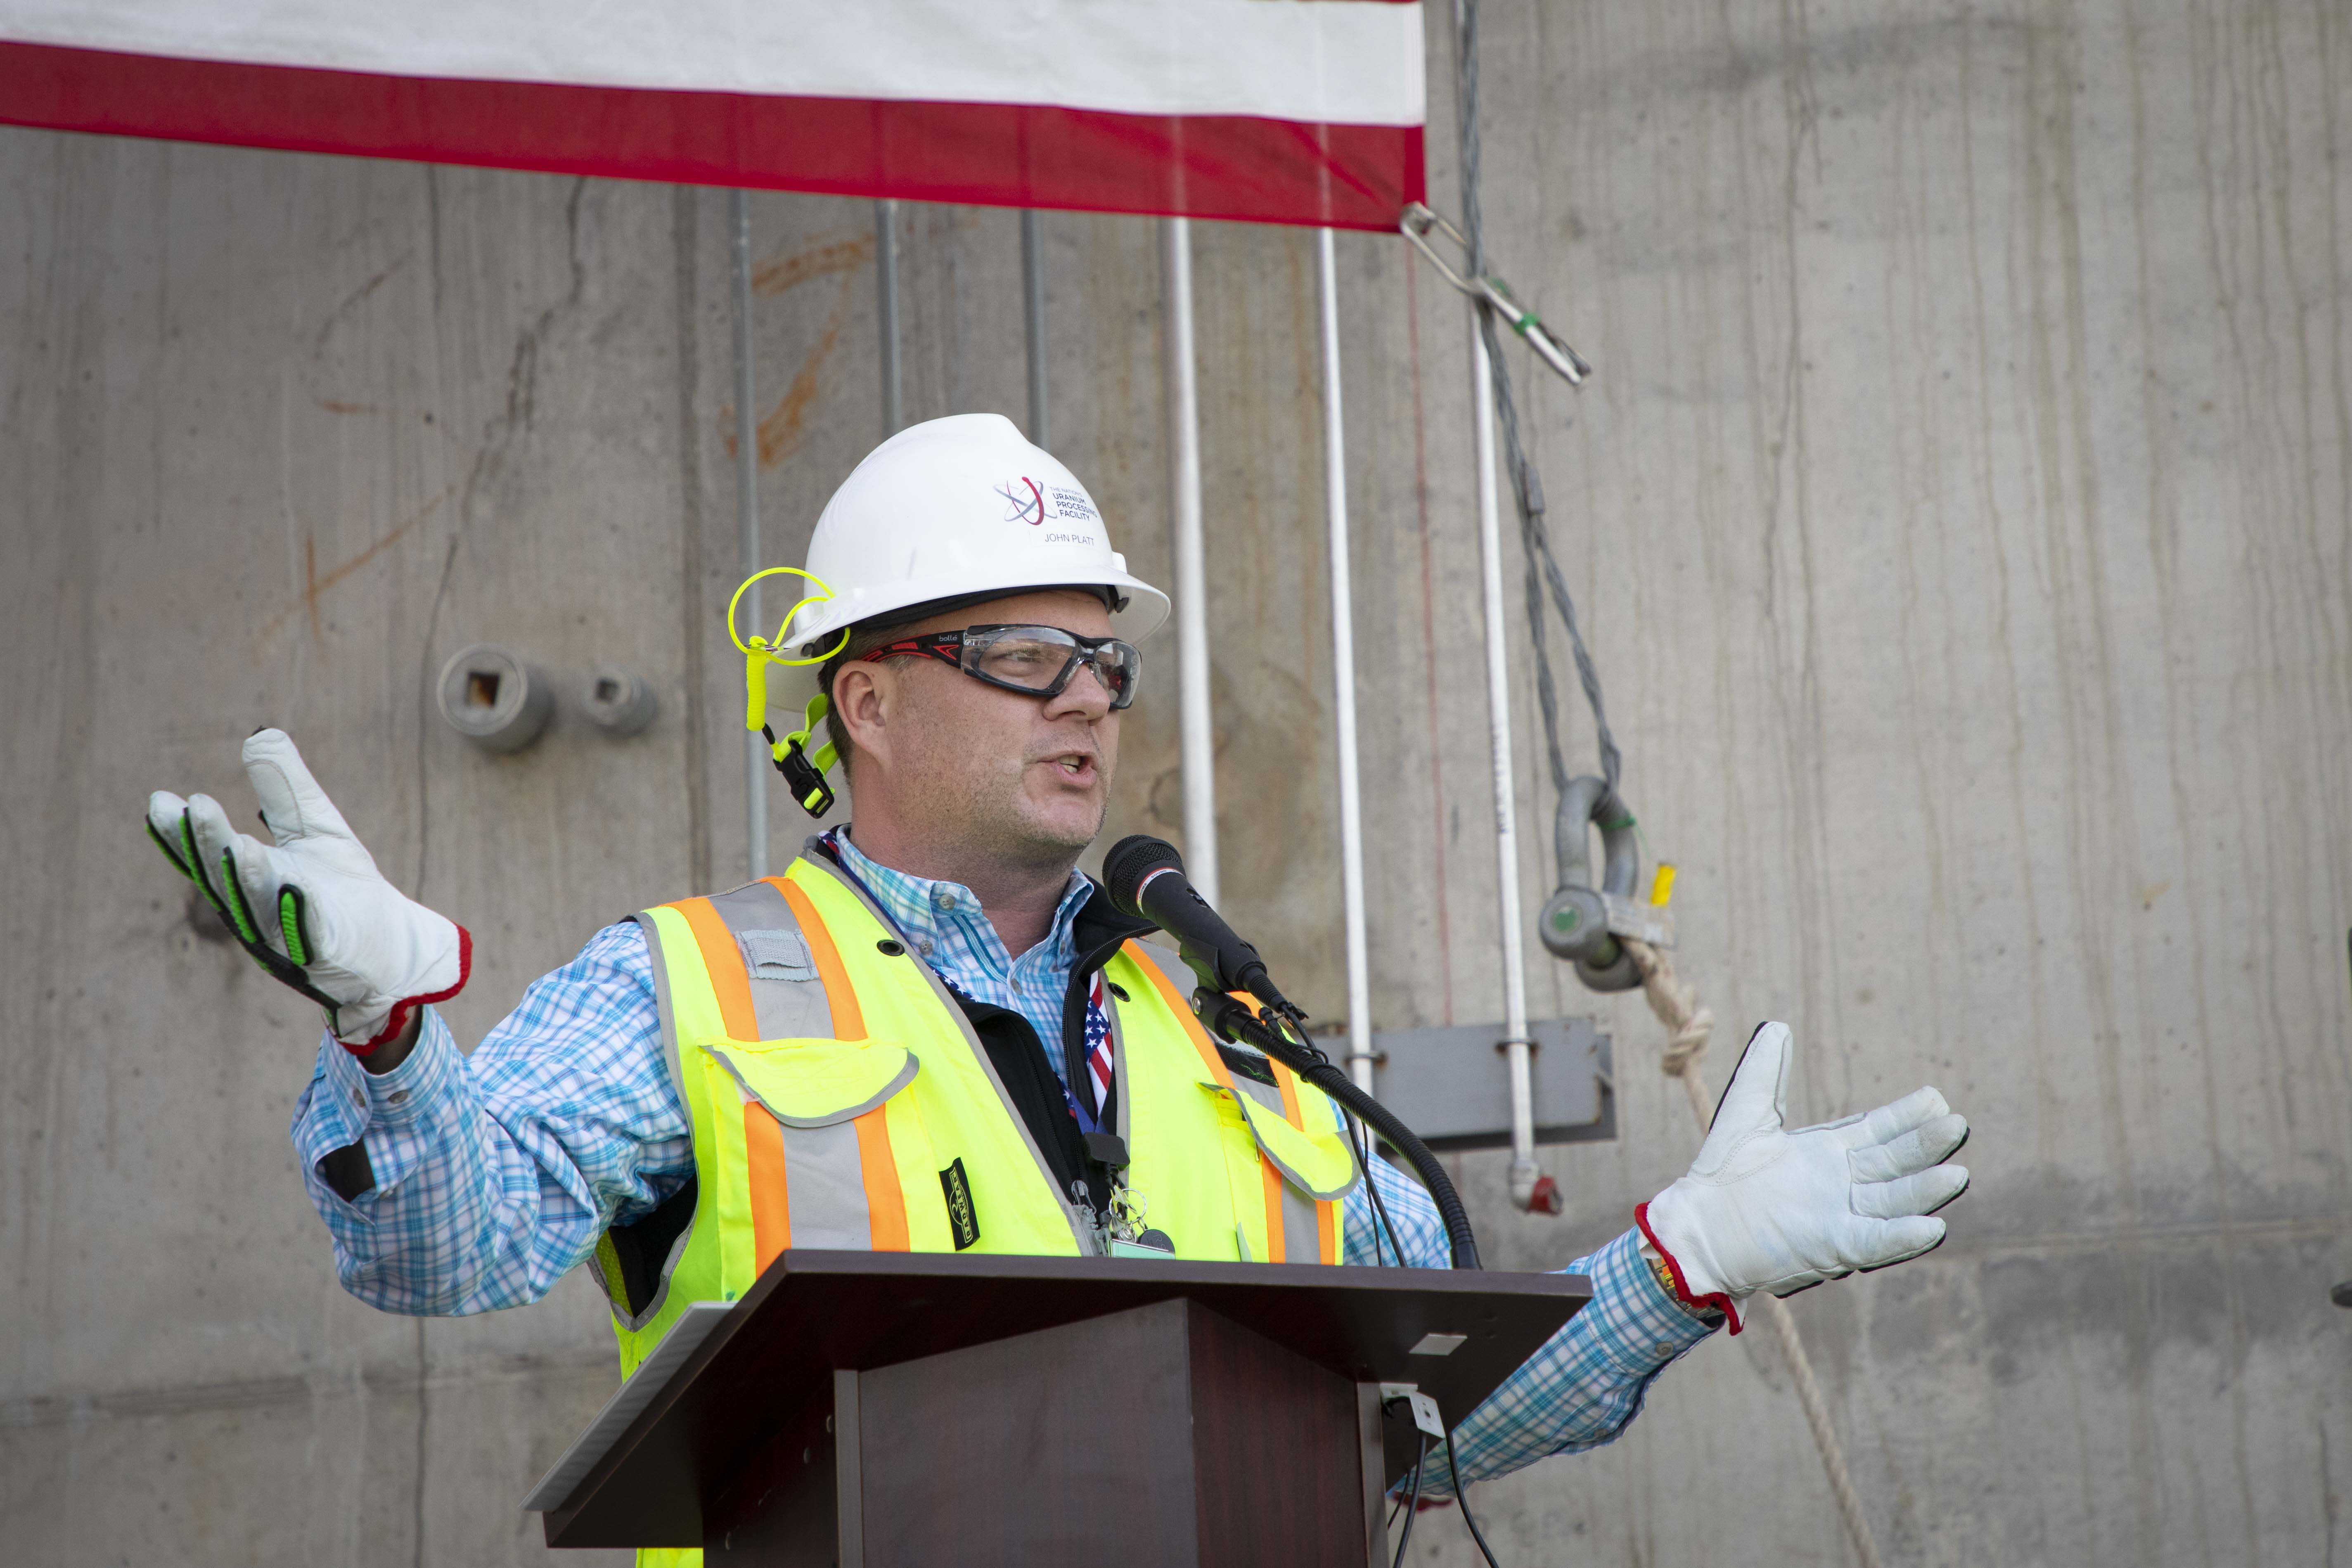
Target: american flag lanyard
x,y
1088,1107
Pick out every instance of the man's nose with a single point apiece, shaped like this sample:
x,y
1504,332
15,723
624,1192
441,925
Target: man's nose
x,y
1086,696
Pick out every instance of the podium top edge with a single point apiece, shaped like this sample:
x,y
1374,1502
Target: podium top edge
x,y
1307,1276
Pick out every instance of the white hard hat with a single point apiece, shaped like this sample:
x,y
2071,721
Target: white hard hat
x,y
958,509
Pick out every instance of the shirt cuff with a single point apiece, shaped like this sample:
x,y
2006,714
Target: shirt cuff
x,y
1650,1327
344,1100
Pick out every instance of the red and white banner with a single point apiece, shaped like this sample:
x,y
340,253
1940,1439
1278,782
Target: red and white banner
x,y
1278,111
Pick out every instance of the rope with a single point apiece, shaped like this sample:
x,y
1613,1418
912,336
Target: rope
x,y
1689,1026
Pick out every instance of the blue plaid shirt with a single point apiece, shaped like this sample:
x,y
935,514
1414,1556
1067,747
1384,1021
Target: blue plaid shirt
x,y
496,1173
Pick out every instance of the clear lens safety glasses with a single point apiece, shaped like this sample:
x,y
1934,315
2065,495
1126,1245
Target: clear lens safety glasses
x,y
1036,661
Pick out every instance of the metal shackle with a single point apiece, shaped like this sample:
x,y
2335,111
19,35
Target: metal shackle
x,y
1574,924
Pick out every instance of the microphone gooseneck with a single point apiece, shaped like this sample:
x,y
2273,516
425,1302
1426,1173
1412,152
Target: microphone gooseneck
x,y
1145,878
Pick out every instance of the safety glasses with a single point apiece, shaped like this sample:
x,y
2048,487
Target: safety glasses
x,y
1036,661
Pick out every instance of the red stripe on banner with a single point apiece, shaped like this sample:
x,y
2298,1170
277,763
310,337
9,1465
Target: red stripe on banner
x,y
1208,166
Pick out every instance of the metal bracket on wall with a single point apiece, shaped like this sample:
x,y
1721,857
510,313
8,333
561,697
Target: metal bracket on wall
x,y
1449,1086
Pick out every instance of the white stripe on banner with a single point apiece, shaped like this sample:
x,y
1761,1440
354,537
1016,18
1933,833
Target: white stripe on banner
x,y
1338,62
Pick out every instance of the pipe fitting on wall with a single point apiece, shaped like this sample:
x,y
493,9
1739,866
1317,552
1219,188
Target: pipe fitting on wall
x,y
619,701
491,696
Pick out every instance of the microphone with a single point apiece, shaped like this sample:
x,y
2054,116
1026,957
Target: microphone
x,y
1146,879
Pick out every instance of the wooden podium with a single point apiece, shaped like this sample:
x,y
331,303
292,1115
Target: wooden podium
x,y
915,1410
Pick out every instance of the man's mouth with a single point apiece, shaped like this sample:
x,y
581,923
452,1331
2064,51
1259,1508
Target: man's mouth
x,y
1074,765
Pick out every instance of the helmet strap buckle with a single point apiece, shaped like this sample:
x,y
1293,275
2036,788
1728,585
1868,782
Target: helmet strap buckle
x,y
805,772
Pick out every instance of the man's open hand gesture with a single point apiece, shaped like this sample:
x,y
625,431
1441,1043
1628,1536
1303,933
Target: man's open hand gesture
x,y
1765,1208
312,908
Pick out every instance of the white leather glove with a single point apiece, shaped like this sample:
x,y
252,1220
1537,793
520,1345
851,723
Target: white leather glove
x,y
312,908
1767,1209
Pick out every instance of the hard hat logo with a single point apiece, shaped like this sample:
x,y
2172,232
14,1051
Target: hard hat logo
x,y
1027,502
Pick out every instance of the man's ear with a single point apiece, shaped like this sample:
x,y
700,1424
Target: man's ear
x,y
861,697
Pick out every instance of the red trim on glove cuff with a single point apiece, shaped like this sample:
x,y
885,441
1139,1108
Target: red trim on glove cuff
x,y
398,1020
1714,1301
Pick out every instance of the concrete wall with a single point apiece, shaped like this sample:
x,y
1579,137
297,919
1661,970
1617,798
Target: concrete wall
x,y
1960,518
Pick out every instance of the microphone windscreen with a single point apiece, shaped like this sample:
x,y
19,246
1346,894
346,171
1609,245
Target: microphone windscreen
x,y
1131,860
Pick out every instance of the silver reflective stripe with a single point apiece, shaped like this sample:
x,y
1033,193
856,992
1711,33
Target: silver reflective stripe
x,y
825,1183
788,1000
1302,1238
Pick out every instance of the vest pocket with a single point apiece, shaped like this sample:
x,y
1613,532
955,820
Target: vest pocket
x,y
1320,1165
832,1145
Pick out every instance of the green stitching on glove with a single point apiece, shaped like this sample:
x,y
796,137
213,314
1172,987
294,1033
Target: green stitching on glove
x,y
238,914
289,922
170,853
188,842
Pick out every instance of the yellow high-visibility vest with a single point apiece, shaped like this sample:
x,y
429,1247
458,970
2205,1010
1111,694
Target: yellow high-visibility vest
x,y
839,1098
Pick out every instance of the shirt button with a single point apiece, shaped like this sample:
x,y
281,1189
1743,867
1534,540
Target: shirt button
x,y
398,1095
944,899
359,1097
1665,1350
925,943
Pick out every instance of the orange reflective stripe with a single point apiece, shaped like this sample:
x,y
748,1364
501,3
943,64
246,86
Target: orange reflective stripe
x,y
1276,1252
724,961
886,1204
848,1019
771,1204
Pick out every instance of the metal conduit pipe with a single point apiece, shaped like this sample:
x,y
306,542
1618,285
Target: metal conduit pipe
x,y
886,280
747,517
1516,1044
1032,300
1196,740
1343,665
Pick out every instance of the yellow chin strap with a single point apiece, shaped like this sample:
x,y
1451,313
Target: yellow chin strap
x,y
804,771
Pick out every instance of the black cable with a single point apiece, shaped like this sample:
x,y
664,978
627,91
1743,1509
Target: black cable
x,y
1364,1164
1462,1500
1366,1152
1412,1505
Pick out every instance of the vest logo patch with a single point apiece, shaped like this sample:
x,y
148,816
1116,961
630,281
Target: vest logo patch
x,y
963,1219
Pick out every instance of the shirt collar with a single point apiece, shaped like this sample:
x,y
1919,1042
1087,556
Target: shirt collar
x,y
915,903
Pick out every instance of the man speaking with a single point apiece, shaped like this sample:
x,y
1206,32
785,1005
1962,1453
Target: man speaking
x,y
931,1032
